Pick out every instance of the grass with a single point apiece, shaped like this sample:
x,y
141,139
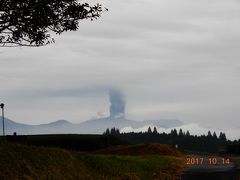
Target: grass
x,y
28,162
141,149
40,163
115,165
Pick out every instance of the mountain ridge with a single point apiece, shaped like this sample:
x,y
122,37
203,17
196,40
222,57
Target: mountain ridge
x,y
93,126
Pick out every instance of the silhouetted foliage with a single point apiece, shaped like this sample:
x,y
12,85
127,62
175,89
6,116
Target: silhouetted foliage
x,y
149,130
214,135
107,132
155,130
209,134
222,136
233,148
112,131
31,22
180,132
174,132
185,141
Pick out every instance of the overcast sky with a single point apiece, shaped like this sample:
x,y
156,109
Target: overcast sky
x,y
172,59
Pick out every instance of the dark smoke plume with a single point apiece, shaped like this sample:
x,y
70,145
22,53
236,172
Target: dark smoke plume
x,y
117,103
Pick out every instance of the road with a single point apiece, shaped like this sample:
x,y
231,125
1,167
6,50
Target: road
x,y
210,167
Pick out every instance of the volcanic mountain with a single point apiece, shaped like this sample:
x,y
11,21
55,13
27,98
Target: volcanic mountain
x,y
116,119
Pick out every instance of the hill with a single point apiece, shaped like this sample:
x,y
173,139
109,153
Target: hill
x,y
77,142
142,149
39,163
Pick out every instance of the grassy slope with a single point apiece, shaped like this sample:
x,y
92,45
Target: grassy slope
x,y
26,162
29,162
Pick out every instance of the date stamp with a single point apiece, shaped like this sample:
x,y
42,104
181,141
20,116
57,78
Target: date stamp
x,y
207,160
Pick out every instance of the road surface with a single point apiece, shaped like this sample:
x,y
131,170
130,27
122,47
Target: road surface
x,y
210,167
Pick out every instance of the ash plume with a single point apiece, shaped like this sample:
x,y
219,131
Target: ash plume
x,y
117,103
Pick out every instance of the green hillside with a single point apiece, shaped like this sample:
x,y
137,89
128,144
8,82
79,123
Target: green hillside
x,y
30,162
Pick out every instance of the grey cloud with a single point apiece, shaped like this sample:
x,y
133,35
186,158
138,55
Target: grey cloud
x,y
172,59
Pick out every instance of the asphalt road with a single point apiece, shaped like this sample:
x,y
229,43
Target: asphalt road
x,y
210,167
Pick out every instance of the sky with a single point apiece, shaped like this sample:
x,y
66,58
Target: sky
x,y
171,59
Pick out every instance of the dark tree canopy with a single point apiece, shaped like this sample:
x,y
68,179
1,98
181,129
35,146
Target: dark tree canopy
x,y
30,22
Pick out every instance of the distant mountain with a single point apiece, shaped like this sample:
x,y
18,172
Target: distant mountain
x,y
57,123
95,126
100,125
58,127
11,126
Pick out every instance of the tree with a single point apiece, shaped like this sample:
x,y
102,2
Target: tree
x,y
209,134
107,132
155,130
113,130
174,132
181,132
149,130
222,137
214,135
31,22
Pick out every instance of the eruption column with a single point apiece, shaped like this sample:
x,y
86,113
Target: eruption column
x,y
117,104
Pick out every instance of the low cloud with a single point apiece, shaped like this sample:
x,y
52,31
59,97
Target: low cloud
x,y
194,129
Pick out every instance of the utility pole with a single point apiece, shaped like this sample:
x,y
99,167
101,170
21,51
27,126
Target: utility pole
x,y
2,107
